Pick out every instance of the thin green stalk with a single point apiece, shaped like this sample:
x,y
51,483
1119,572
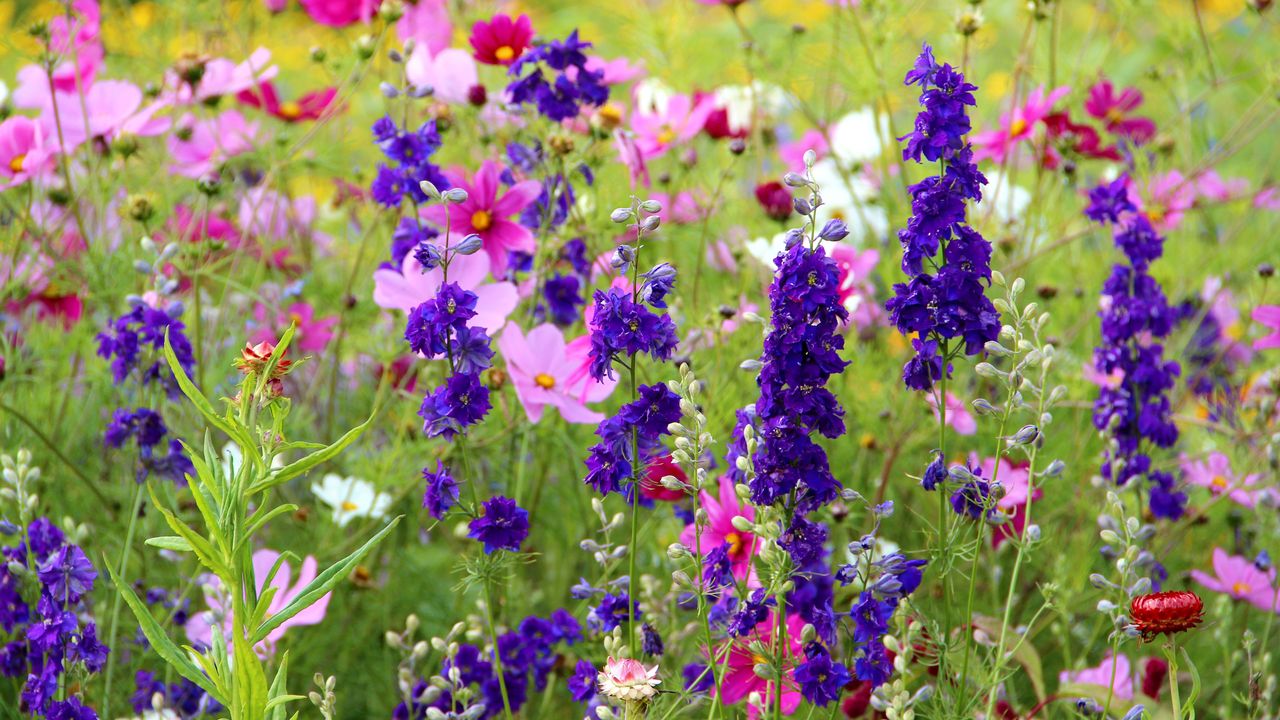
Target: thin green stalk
x,y
115,604
497,656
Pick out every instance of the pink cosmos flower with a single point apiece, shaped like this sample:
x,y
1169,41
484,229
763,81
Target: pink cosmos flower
x,y
105,110
677,123
426,22
719,530
1016,125
857,294
680,210
616,71
547,371
211,142
1114,110
267,213
1166,199
501,40
1091,374
221,77
1102,674
958,415
792,153
310,106
25,152
1267,198
1222,308
1214,473
199,627
720,256
740,679
410,287
310,335
1237,576
76,39
339,13
31,274
487,214
1266,315
451,72
1209,184
631,157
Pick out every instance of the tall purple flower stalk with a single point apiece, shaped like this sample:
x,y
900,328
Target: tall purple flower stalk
x,y
947,262
1135,315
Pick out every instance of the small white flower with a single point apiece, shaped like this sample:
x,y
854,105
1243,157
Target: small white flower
x,y
738,102
350,498
766,249
627,679
233,460
651,95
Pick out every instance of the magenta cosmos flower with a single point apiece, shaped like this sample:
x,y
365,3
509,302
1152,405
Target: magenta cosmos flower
x,y
1237,576
740,679
1114,110
339,13
221,77
1214,473
199,627
25,152
488,214
1116,666
210,143
501,41
678,122
1017,125
719,530
311,335
1166,199
546,371
410,287
310,106
1265,315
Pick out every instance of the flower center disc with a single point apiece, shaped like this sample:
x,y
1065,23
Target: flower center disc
x,y
481,220
504,53
544,381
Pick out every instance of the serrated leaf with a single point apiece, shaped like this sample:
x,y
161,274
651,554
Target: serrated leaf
x,y
169,542
160,642
323,583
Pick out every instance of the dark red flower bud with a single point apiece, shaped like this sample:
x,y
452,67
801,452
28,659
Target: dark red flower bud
x,y
1153,676
476,95
775,199
1165,613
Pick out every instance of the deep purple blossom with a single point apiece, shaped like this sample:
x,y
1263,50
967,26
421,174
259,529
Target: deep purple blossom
x,y
503,525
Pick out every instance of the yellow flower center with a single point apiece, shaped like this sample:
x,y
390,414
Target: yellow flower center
x,y
1017,127
290,110
1240,588
481,220
505,53
610,115
1219,482
295,318
15,165
758,659
349,506
544,381
1155,213
1115,115
667,135
735,544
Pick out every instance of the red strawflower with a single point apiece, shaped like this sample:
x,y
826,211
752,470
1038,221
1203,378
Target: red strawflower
x,y
253,358
308,107
501,41
1165,613
775,199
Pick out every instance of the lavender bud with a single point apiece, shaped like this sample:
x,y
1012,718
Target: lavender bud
x,y
620,215
389,91
834,231
802,206
455,195
469,245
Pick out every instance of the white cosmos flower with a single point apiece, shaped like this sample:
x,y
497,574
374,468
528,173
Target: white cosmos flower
x,y
351,498
1006,200
851,200
766,249
652,95
857,137
233,459
737,102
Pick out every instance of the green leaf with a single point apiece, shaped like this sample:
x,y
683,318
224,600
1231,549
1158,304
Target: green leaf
x,y
202,403
306,464
277,698
261,517
1022,652
170,542
205,551
323,583
160,642
251,681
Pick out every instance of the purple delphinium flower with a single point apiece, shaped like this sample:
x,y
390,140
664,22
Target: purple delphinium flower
x,y
67,575
410,157
563,298
582,683
621,326
613,610
441,493
801,351
549,87
503,525
609,462
144,425
461,402
1136,413
140,329
820,678
950,304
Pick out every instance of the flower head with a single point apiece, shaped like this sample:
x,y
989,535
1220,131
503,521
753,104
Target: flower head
x,y
628,680
502,526
501,40
1165,613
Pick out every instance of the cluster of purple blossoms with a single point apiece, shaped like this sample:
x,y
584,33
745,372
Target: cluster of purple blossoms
x,y
551,208
614,609
143,328
1135,318
410,235
821,680
502,525
562,300
895,577
801,352
643,422
438,328
147,429
441,493
557,92
528,656
51,640
950,303
410,154
621,326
